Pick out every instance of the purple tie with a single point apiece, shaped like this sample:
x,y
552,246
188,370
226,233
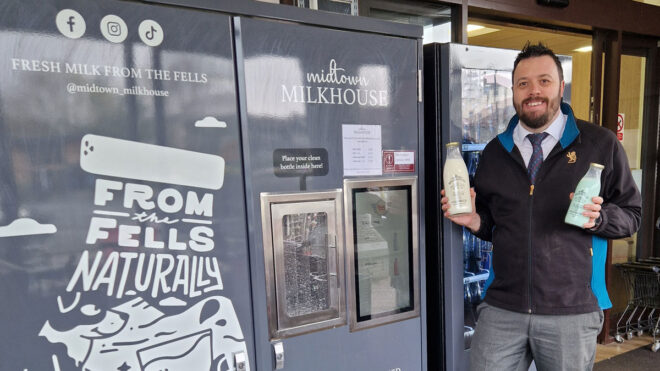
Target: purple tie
x,y
537,155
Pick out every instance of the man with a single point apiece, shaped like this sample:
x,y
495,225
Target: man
x,y
544,303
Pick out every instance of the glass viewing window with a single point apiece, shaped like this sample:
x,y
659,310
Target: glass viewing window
x,y
383,278
305,245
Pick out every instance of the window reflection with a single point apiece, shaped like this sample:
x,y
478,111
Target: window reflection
x,y
383,252
306,262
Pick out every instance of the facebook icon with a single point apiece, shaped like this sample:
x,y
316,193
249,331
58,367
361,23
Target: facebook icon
x,y
70,23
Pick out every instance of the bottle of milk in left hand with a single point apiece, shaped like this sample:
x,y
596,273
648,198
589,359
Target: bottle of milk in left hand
x,y
587,188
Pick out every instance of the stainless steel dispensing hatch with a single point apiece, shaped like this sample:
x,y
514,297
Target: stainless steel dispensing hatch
x,y
303,254
382,250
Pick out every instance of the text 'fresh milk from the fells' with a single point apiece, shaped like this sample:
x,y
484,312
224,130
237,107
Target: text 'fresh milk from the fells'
x,y
587,188
456,181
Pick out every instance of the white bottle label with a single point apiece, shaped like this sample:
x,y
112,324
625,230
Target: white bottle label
x,y
459,190
457,186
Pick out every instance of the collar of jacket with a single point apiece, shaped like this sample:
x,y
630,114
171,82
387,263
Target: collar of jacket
x,y
570,130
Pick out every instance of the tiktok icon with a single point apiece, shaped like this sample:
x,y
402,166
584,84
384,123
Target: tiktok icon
x,y
151,33
70,23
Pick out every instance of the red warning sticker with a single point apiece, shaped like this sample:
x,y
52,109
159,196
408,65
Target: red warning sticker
x,y
398,161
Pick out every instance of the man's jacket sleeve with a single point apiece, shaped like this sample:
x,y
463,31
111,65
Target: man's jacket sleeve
x,y
485,231
621,211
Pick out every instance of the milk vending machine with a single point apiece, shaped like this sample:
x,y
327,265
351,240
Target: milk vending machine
x,y
209,185
331,132
468,99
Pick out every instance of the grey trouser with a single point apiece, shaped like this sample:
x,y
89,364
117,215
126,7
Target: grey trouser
x,y
505,340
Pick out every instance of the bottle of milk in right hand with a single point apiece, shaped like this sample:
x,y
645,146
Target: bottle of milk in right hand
x,y
587,188
456,181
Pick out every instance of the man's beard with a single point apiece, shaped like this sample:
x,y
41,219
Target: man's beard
x,y
538,121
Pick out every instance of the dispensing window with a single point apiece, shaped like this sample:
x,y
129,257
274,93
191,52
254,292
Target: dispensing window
x,y
382,249
303,251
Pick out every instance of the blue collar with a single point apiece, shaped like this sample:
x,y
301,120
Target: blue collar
x,y
568,136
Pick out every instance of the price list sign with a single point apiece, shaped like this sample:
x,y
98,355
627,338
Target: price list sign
x,y
362,148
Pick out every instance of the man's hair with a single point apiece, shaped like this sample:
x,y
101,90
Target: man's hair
x,y
538,50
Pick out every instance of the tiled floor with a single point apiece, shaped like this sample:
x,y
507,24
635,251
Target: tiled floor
x,y
604,352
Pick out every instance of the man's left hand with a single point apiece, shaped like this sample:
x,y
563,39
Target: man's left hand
x,y
592,211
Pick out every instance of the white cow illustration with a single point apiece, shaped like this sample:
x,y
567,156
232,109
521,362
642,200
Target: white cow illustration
x,y
138,336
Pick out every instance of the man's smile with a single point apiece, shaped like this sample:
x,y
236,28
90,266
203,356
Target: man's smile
x,y
535,104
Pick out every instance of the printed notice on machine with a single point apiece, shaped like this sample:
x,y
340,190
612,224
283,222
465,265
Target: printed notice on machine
x,y
362,148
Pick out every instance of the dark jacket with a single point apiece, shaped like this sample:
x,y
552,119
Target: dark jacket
x,y
541,264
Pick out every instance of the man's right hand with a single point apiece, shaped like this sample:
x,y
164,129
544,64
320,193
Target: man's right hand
x,y
472,220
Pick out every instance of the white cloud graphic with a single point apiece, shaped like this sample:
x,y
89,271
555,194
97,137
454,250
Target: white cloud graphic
x,y
172,302
26,227
210,122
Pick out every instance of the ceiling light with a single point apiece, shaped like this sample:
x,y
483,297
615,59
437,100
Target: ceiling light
x,y
583,49
475,30
473,27
650,2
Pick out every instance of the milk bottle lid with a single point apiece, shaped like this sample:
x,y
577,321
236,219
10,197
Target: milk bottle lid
x,y
596,165
452,144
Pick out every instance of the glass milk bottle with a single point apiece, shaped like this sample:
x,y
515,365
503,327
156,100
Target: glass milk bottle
x,y
456,181
587,188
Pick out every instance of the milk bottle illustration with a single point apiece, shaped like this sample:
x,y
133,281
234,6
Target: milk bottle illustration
x,y
456,181
587,188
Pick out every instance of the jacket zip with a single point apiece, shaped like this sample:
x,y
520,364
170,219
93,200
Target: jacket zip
x,y
529,246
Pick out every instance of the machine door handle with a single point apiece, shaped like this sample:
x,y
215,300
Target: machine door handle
x,y
333,259
278,350
331,239
240,362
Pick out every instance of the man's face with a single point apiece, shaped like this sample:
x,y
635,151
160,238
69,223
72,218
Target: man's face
x,y
537,91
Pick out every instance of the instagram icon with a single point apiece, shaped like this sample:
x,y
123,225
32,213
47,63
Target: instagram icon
x,y
113,28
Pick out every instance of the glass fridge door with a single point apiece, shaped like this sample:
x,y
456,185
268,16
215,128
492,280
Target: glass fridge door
x,y
485,111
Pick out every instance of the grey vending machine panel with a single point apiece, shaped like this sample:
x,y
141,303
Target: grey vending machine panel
x,y
122,244
319,105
